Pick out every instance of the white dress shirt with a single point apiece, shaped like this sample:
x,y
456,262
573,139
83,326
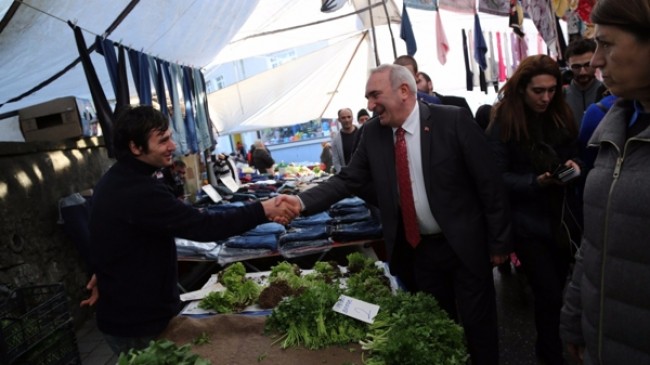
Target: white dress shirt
x,y
427,222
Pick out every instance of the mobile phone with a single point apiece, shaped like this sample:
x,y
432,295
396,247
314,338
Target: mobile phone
x,y
565,173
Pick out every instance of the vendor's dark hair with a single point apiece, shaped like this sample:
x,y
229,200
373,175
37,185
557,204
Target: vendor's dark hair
x,y
135,123
580,46
632,16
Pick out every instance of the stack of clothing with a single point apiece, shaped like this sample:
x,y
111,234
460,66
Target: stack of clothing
x,y
346,221
305,234
258,242
352,221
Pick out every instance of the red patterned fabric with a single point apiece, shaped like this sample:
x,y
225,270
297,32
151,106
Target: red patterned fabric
x,y
584,9
411,227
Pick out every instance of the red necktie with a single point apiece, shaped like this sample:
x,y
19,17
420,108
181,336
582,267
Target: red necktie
x,y
411,227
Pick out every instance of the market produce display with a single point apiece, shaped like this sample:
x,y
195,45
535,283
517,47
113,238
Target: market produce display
x,y
408,329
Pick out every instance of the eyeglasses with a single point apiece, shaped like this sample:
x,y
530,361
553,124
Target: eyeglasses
x,y
577,66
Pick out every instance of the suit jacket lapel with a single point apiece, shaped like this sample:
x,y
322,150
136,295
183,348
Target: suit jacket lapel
x,y
426,139
388,159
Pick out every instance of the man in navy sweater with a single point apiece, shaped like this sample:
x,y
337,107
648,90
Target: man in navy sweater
x,y
133,222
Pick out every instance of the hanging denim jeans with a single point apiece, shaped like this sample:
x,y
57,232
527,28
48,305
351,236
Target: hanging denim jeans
x,y
172,78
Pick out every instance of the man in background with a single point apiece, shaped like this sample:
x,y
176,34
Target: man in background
x,y
343,142
425,85
412,65
584,89
362,116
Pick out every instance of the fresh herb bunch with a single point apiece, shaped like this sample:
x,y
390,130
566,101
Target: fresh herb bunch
x,y
240,291
308,319
162,352
329,270
411,329
358,262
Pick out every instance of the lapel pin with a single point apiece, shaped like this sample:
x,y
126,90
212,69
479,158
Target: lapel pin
x,y
426,129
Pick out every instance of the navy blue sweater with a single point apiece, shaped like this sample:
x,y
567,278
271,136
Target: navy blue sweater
x,y
133,222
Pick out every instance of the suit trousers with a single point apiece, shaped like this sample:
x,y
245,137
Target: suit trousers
x,y
433,267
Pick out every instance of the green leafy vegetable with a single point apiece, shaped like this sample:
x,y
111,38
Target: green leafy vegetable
x,y
413,330
162,352
240,292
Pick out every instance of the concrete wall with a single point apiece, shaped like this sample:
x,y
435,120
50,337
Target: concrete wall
x,y
33,176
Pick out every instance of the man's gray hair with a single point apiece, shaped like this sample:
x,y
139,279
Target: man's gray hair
x,y
398,75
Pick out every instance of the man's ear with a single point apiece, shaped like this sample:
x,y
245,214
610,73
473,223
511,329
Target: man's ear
x,y
135,150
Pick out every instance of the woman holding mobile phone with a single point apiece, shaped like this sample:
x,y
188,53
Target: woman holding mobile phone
x,y
534,138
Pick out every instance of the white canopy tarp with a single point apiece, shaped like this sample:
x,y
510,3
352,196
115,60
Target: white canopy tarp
x,y
282,24
37,42
307,88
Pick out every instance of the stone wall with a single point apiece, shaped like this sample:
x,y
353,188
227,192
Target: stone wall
x,y
34,249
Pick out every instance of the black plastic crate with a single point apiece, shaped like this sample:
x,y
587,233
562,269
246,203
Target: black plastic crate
x,y
28,316
59,348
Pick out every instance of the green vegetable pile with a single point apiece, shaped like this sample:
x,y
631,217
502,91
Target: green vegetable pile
x,y
240,292
162,352
409,329
413,330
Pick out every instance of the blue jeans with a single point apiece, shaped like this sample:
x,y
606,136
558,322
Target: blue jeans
x,y
355,231
351,217
266,229
310,220
124,344
304,234
268,241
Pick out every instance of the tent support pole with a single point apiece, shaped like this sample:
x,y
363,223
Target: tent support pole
x,y
374,35
390,29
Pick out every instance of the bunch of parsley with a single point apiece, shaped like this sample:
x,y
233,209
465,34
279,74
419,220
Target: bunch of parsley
x,y
411,329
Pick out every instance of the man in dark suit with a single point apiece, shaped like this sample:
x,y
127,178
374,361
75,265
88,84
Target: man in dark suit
x,y
460,203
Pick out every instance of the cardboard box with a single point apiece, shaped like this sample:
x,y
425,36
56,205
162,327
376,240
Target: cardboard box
x,y
54,120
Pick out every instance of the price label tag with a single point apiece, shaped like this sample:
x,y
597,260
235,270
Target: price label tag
x,y
357,309
230,183
212,193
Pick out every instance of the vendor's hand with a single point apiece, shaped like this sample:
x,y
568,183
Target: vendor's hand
x,y
498,259
576,352
94,293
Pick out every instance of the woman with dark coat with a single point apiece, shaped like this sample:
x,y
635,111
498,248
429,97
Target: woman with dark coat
x,y
534,136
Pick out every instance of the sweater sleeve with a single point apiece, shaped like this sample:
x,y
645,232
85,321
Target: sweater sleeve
x,y
157,209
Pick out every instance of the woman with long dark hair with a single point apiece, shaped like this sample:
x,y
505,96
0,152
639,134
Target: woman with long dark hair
x,y
535,139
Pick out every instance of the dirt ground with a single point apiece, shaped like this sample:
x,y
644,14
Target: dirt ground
x,y
239,340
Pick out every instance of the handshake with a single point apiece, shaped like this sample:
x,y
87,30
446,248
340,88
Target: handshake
x,y
282,209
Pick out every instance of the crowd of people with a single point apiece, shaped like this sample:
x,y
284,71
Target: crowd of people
x,y
456,193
